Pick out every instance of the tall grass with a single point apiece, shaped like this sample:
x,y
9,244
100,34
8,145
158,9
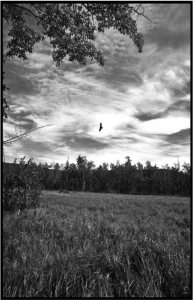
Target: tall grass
x,y
98,245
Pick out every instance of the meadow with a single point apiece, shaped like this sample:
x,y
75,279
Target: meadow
x,y
98,245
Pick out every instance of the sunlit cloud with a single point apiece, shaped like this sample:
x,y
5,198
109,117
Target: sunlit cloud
x,y
142,99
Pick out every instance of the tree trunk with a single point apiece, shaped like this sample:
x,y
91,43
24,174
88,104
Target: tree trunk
x,y
83,186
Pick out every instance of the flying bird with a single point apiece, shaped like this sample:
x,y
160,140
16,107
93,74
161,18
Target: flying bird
x,y
101,127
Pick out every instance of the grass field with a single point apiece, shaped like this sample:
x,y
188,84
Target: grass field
x,y
98,245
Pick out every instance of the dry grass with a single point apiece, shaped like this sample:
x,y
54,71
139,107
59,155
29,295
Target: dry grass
x,y
98,245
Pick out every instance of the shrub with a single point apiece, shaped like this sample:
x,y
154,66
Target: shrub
x,y
21,188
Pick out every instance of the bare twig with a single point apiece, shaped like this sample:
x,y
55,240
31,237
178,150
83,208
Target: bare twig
x,y
18,137
135,10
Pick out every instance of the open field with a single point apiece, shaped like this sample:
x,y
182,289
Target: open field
x,y
98,245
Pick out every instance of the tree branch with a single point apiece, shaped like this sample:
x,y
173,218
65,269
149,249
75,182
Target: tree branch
x,y
18,137
140,14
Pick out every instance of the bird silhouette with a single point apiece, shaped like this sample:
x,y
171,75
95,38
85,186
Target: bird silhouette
x,y
101,127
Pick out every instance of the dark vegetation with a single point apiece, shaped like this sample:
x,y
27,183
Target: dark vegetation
x,y
21,187
83,176
93,244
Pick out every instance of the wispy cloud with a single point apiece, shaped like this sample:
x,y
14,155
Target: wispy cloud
x,y
143,100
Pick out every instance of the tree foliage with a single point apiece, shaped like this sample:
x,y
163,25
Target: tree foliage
x,y
120,178
71,27
5,105
21,187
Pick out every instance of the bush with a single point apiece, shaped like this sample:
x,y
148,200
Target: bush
x,y
21,188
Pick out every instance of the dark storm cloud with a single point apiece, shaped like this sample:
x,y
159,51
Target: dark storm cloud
x,y
119,71
186,70
23,86
164,38
182,91
181,137
186,88
79,141
83,142
19,85
178,106
87,143
117,77
33,147
147,116
174,31
179,14
171,150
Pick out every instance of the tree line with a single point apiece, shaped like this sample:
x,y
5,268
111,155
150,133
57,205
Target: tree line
x,y
124,178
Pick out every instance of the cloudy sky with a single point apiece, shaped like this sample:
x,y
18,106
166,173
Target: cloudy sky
x,y
142,99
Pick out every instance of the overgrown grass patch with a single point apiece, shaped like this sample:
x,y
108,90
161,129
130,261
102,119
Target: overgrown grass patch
x,y
98,245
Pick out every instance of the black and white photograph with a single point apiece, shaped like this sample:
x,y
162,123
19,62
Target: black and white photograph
x,y
96,149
